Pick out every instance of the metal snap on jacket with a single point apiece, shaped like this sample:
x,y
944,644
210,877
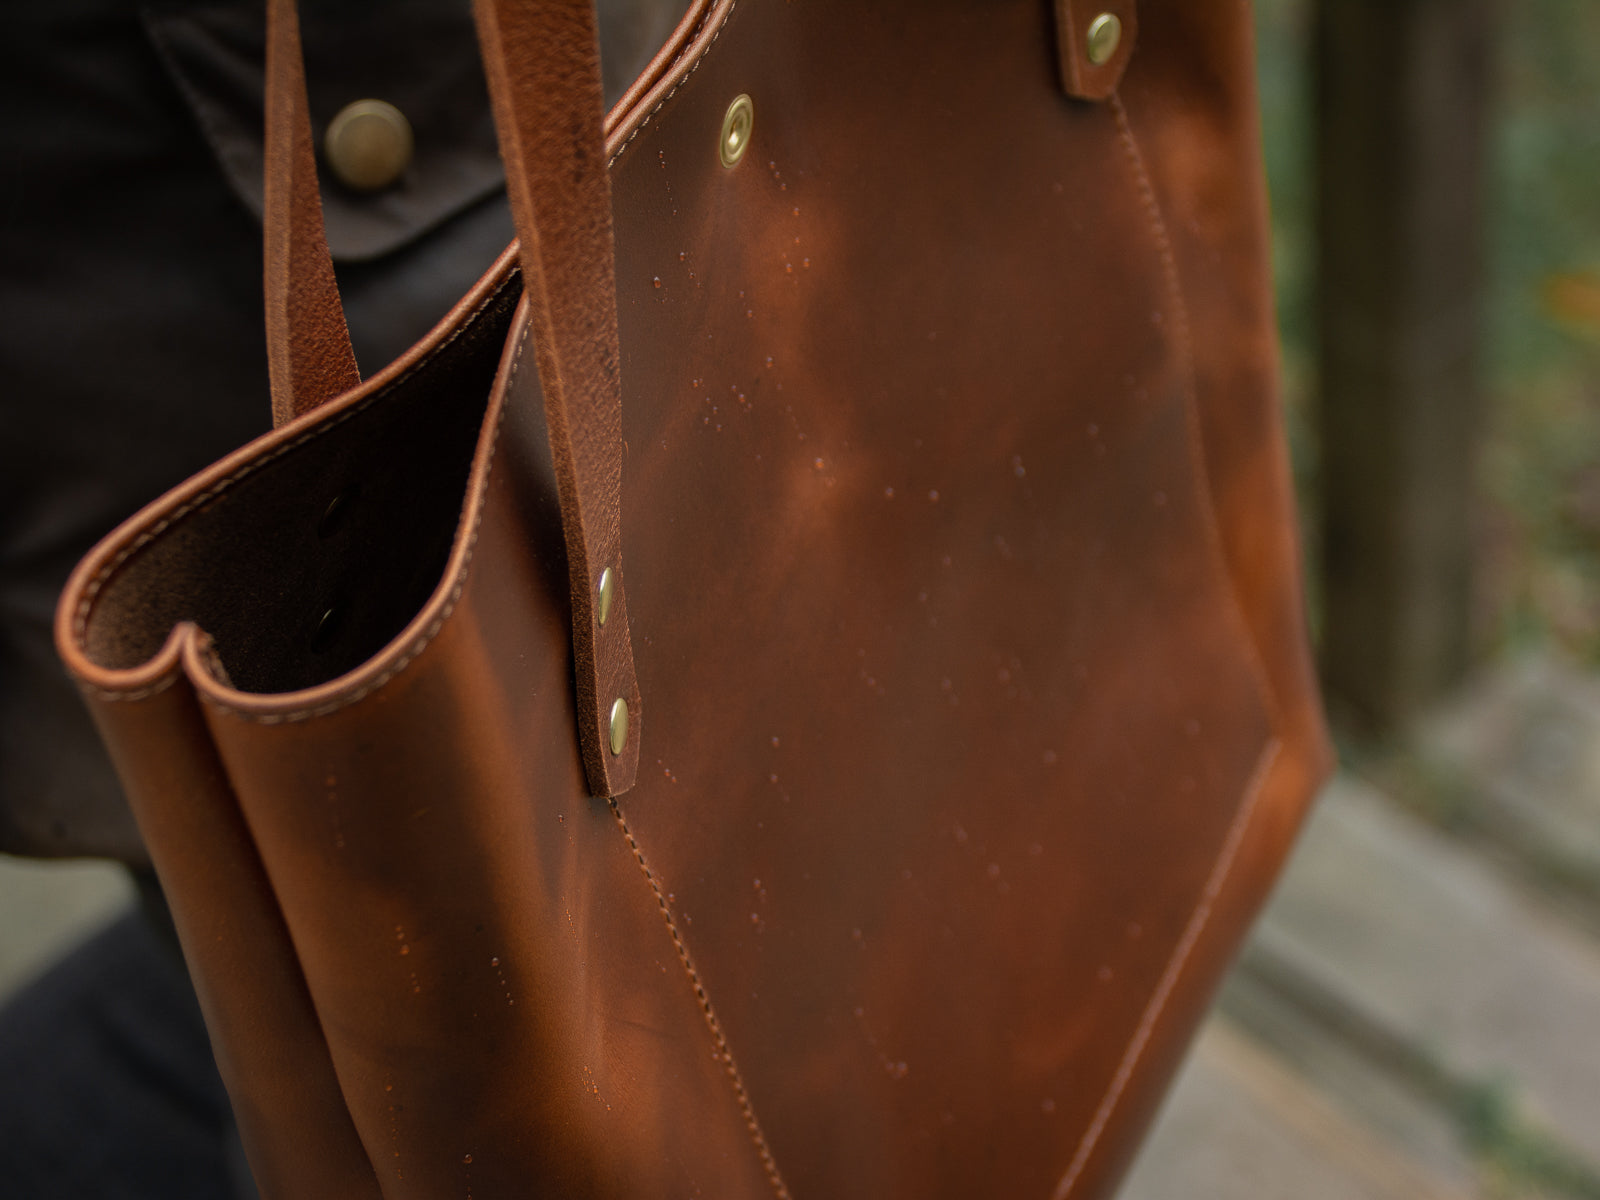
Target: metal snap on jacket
x,y
368,145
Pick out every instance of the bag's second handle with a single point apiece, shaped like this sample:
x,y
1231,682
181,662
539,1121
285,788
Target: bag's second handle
x,y
309,359
542,61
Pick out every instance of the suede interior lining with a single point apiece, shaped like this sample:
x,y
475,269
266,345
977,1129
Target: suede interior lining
x,y
309,565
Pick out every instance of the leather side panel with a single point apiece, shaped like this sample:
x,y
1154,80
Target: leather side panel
x,y
1205,163
268,1042
886,505
504,1000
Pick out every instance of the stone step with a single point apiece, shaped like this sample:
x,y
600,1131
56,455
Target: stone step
x,y
1399,984
1241,1124
1514,760
1428,943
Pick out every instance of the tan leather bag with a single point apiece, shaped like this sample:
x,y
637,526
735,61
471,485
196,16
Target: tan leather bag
x,y
928,394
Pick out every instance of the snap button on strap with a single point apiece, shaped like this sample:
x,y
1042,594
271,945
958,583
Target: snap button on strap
x,y
1094,41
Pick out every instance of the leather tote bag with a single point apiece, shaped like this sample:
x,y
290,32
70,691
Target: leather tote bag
x,y
796,687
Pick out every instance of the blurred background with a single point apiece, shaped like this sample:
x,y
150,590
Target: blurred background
x,y
1418,1014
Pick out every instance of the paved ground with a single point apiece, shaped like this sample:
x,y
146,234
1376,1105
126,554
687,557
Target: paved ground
x,y
1417,1016
1418,1012
46,907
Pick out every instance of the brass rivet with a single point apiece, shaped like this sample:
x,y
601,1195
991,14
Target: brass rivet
x,y
368,145
607,586
1105,35
736,126
619,726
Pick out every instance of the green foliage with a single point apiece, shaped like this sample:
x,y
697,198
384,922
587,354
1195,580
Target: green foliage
x,y
1538,577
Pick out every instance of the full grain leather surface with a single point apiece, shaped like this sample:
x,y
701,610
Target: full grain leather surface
x,y
962,580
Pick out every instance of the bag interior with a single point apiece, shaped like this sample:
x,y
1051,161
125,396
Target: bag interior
x,y
317,553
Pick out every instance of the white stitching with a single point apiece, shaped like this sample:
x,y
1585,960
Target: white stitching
x,y
1169,978
1191,396
144,693
724,1051
437,624
1241,821
639,128
103,576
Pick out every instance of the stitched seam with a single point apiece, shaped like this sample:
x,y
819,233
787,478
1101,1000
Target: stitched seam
x,y
639,128
144,693
80,622
438,622
1169,977
1191,399
1223,866
724,1053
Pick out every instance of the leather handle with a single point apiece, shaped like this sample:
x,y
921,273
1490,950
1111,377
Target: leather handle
x,y
542,60
309,359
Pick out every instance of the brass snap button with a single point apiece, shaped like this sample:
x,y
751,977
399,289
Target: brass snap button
x,y
1105,35
608,585
736,125
619,726
368,145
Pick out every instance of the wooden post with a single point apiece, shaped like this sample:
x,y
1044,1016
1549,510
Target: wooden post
x,y
1402,112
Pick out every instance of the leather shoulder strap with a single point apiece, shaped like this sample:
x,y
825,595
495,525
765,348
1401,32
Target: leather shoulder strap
x,y
309,359
542,60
